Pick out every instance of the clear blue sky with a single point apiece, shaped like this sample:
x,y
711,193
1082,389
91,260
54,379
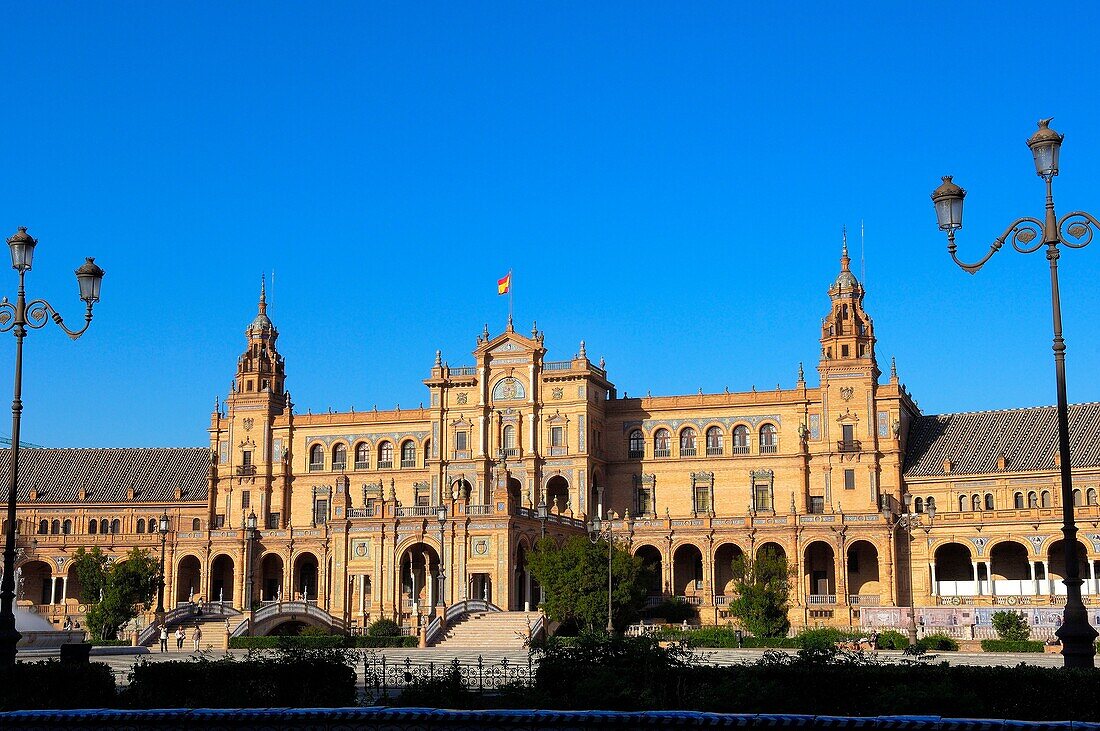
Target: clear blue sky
x,y
668,182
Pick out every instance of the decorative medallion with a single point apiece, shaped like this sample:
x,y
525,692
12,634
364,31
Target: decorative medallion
x,y
481,546
846,393
361,549
463,398
248,423
508,389
558,393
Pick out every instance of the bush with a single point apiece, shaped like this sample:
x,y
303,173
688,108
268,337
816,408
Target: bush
x,y
55,685
1011,625
940,642
787,642
368,641
110,643
891,640
820,644
384,628
1012,646
314,680
702,636
674,611
317,642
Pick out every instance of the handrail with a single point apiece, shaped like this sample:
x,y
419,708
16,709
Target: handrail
x,y
456,610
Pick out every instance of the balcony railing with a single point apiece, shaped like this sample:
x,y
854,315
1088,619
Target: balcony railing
x,y
511,451
691,599
864,600
740,449
360,512
408,463
769,448
339,466
687,451
557,365
822,599
246,469
714,451
362,465
851,445
478,509
721,600
407,511
662,453
559,451
385,464
464,371
635,453
316,466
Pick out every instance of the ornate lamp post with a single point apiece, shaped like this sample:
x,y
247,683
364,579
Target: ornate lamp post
x,y
543,512
250,527
1073,230
17,318
441,516
162,528
595,533
909,520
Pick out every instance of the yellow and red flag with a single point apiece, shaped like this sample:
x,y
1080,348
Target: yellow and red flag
x,y
504,285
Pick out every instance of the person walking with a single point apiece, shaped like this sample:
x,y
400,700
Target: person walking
x,y
197,636
179,638
163,638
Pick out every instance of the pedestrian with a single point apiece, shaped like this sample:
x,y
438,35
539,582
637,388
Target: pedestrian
x,y
68,624
179,638
197,637
163,638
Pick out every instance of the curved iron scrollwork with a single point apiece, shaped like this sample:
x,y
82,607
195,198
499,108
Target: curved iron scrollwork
x,y
1020,233
1075,229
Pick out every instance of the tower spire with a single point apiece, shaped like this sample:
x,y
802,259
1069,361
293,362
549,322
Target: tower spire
x,y
263,294
845,261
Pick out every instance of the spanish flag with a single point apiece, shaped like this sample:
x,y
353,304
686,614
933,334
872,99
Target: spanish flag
x,y
504,285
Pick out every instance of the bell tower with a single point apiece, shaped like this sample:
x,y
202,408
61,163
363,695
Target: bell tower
x,y
847,333
260,370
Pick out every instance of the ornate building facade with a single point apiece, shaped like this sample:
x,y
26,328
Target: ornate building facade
x,y
399,514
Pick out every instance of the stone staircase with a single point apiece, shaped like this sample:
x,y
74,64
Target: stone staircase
x,y
489,630
214,636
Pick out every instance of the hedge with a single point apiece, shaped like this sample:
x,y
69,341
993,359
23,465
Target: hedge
x,y
723,637
110,643
52,684
939,642
1012,646
317,642
288,681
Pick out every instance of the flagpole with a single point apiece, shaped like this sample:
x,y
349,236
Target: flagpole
x,y
510,288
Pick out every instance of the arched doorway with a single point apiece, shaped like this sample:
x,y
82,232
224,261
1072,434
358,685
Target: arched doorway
x,y
771,550
188,580
651,560
271,578
687,571
724,557
419,579
74,589
557,493
1056,560
304,577
462,490
819,572
1009,568
34,582
221,579
522,593
954,571
515,491
863,575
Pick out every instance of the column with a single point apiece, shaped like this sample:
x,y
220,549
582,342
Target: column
x,y
64,588
53,589
977,578
935,581
989,575
1031,576
1046,577
1092,577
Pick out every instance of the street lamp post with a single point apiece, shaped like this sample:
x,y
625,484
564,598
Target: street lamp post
x,y
595,533
16,318
908,520
162,528
250,526
1074,230
543,512
441,516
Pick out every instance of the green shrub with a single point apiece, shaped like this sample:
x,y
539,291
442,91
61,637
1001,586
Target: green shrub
x,y
1012,646
52,684
786,642
1011,625
384,628
940,642
311,631
369,641
819,644
318,642
314,680
110,643
891,640
702,636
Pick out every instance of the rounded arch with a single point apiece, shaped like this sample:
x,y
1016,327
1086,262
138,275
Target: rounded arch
x,y
687,440
635,444
362,454
74,589
462,489
953,562
305,575
316,454
418,576
662,442
34,581
1056,559
141,525
687,569
653,562
339,454
772,547
741,438
1045,499
557,492
724,556
769,437
408,453
271,577
43,527
188,579
1009,566
819,568
222,572
385,454
714,439
55,527
863,570
67,527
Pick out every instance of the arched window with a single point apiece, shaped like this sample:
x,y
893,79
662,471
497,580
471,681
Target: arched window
x,y
93,527
662,443
714,442
151,525
1090,496
427,451
1046,499
918,505
316,458
196,524
508,440
141,525
1076,498
116,526
1032,500
976,502
340,457
55,528
636,445
930,503
67,527
962,503
43,527
1018,501
989,501
769,439
408,453
362,456
385,455
741,439
687,442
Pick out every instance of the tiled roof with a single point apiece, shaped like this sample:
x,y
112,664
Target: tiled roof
x,y
975,441
108,474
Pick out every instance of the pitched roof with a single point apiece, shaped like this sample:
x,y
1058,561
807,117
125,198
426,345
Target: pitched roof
x,y
975,441
108,474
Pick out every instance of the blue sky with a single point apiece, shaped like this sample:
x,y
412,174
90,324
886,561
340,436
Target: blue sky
x,y
667,181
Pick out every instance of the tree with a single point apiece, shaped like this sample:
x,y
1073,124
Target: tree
x,y
763,590
574,582
115,589
1011,625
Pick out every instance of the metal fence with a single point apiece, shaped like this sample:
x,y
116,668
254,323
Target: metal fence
x,y
384,677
